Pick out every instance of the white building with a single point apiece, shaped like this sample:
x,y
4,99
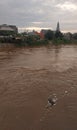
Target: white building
x,y
7,28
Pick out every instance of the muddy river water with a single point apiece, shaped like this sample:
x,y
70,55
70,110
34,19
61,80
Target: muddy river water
x,y
28,76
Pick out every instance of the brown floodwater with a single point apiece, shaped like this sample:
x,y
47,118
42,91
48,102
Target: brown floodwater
x,y
28,77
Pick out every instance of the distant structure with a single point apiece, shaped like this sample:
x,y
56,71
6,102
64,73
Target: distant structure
x,y
68,36
44,31
32,33
58,27
35,33
8,29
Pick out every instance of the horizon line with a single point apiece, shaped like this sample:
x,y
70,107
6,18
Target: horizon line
x,y
24,29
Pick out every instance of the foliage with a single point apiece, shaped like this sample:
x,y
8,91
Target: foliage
x,y
49,35
58,34
35,41
23,39
75,36
57,41
7,33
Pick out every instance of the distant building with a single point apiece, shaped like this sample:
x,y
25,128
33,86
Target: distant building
x,y
8,29
68,36
44,31
33,33
58,27
40,34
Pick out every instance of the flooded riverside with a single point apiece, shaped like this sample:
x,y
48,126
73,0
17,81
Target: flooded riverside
x,y
28,77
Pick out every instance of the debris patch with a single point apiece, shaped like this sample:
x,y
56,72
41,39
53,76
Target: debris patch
x,y
51,101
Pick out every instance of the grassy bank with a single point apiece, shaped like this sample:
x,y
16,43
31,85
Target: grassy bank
x,y
32,41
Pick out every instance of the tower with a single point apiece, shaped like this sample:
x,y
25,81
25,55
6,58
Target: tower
x,y
58,27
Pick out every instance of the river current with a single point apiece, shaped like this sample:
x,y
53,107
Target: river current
x,y
28,76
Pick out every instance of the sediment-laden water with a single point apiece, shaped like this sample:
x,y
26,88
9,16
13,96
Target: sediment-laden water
x,y
28,77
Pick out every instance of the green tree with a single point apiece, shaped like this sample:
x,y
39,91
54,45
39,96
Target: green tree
x,y
58,34
49,35
75,36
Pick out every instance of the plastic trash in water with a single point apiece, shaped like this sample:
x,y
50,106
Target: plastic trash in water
x,y
51,101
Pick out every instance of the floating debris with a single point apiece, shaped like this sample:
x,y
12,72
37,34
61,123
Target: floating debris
x,y
66,92
51,101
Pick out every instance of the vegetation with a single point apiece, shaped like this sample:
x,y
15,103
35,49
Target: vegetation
x,y
24,39
49,35
74,36
7,33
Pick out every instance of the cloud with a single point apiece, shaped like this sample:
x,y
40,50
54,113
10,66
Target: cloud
x,y
25,29
69,6
39,13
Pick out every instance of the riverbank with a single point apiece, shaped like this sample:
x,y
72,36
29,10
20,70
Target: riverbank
x,y
36,43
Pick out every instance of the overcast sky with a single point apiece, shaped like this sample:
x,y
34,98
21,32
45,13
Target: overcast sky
x,y
37,14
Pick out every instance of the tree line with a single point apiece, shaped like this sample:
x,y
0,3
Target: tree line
x,y
23,39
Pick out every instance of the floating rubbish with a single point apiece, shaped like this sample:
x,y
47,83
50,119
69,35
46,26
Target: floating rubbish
x,y
66,92
51,101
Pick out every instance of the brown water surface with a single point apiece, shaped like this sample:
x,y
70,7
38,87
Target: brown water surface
x,y
28,76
